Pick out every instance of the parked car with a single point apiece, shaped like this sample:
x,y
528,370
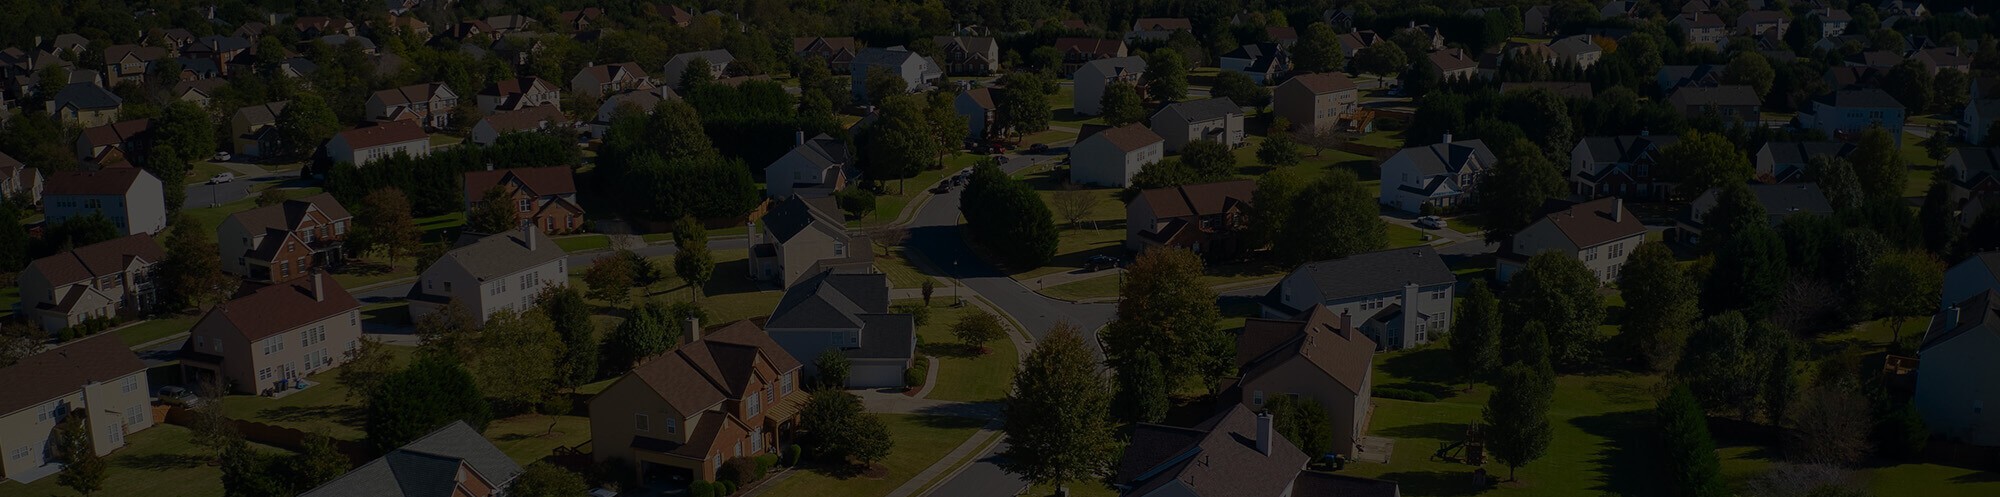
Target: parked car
x,y
1100,262
1039,148
177,396
942,187
221,157
1431,222
220,178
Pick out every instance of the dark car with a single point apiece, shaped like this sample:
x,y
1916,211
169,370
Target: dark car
x,y
1100,263
1039,148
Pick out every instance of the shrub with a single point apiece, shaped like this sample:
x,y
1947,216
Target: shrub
x,y
792,453
700,488
726,488
1401,394
766,462
915,375
740,470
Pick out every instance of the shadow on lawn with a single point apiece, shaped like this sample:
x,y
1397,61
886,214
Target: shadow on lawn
x,y
347,415
1449,432
1439,483
1627,452
1430,365
160,462
950,350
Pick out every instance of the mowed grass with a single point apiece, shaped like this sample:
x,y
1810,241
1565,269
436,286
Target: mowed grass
x,y
211,217
920,440
530,437
155,329
321,408
161,461
964,374
1094,288
580,243
1099,231
1405,236
730,295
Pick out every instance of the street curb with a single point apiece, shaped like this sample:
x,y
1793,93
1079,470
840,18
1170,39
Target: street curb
x,y
960,466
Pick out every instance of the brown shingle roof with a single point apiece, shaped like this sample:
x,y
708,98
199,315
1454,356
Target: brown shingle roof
x,y
283,307
1591,223
1222,461
384,134
1326,341
713,368
982,96
1162,24
97,259
420,92
531,118
116,133
287,215
108,181
1097,47
1130,137
1198,200
57,372
541,181
1326,82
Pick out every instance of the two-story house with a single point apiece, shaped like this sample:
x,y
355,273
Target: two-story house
x,y
1601,233
1157,28
717,60
969,55
1844,114
837,52
130,197
598,81
130,63
1618,165
219,53
428,104
1444,175
101,280
1957,364
1316,102
517,94
1215,119
803,236
455,457
816,168
1092,77
360,146
18,181
1579,50
641,101
1779,202
916,71
1736,105
1236,452
1974,173
976,106
729,393
85,104
285,241
1673,78
1111,156
1079,51
1262,62
1207,218
1352,42
1319,356
1756,23
115,142
1455,63
489,129
489,273
96,377
1703,29
850,313
254,129
1404,295
1786,162
272,338
540,196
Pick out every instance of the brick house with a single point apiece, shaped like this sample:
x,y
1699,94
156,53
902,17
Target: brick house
x,y
285,241
728,393
542,196
105,279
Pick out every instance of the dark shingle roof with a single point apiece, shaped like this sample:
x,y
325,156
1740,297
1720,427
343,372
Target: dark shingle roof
x,y
1443,158
502,254
832,300
1128,137
87,96
284,307
1717,96
715,367
59,371
1593,223
1322,339
1203,110
795,214
1861,98
427,467
1222,461
108,181
1377,272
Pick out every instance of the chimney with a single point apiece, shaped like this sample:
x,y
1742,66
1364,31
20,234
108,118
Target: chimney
x,y
799,137
1950,317
319,286
1264,433
1411,296
693,325
1447,138
489,166
1617,209
528,233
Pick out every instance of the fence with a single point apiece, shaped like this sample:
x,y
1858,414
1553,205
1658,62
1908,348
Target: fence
x,y
291,439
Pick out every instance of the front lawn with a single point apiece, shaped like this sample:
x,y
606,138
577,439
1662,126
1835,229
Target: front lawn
x,y
161,461
528,438
963,373
730,295
155,329
580,243
921,441
211,217
1405,236
323,407
203,170
1094,288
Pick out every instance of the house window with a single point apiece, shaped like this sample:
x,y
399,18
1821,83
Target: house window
x,y
264,374
756,440
752,405
285,269
737,449
1617,250
18,453
130,385
673,425
134,415
718,462
839,249
1257,398
527,204
1590,254
785,383
640,423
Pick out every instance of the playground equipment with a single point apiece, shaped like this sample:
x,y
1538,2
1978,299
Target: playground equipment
x,y
1470,450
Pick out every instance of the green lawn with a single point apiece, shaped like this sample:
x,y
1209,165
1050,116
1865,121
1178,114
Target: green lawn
x,y
211,217
1468,224
920,441
1100,230
528,438
901,273
324,407
1093,288
963,373
901,192
9,296
161,461
580,243
203,170
155,329
728,296
1405,236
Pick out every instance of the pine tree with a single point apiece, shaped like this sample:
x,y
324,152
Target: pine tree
x,y
1057,417
1687,449
1660,305
1475,336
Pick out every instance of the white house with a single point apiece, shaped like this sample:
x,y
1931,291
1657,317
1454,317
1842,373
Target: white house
x,y
1398,297
360,146
1110,157
1442,175
1092,77
96,377
1216,119
1600,233
976,106
718,65
849,313
1956,377
816,167
502,271
916,71
130,197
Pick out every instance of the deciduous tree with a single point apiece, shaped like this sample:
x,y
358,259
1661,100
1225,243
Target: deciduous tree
x,y
1751,69
1142,393
1660,305
191,270
1166,76
1475,336
1700,161
518,359
567,311
1517,415
1318,49
976,328
1333,217
431,393
1511,194
494,212
1121,104
610,279
1904,284
1057,418
1167,312
1304,422
1878,165
542,479
1561,293
1278,150
833,369
386,224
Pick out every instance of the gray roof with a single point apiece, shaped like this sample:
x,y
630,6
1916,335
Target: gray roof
x,y
1574,45
1218,459
1116,65
1625,149
1718,96
498,255
1785,200
894,56
427,467
263,113
831,300
1375,273
1445,158
1202,110
795,214
886,336
87,96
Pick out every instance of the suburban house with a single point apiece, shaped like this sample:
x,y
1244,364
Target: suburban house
x,y
97,377
130,63
1703,29
1952,389
850,313
1780,201
1079,51
1215,119
1091,78
454,460
1977,274
254,129
1941,58
116,142
528,120
1206,218
1157,28
1785,162
728,393
1756,23
85,105
804,236
1833,22
1844,114
1111,157
1353,41
1978,120
17,180
490,273
272,338
816,167
643,101
1455,63
102,280
837,52
1442,175
131,197
1579,50
285,241
601,80
1599,232
1618,165
1262,62
976,106
1734,104
1316,102
517,94
1236,453
1973,171
1672,78
1425,32
969,55
718,65
200,92
541,196
1320,357
360,146
916,71
427,104
1284,36
1404,295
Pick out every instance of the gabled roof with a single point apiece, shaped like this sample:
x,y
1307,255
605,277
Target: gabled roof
x,y
1115,66
502,254
893,56
1324,83
1701,20
1097,47
1593,223
288,215
427,467
1447,158
981,96
1328,342
116,133
973,45
263,113
1572,46
1803,152
712,57
1205,199
285,306
1455,59
713,368
421,92
1376,272
59,371
1564,89
516,86
1979,313
1861,98
832,43
87,96
605,73
1202,110
831,300
1162,24
384,133
98,259
1281,33
1128,138
107,181
1625,149
117,53
795,214
528,119
1218,459
1717,96
540,181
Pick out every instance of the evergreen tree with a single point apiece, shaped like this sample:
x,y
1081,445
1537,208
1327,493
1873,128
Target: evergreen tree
x,y
1689,452
1142,389
1940,221
1304,422
1057,417
1878,165
1660,305
14,242
83,470
1333,217
1749,274
1475,336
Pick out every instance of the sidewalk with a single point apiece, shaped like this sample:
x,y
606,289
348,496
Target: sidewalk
x,y
937,473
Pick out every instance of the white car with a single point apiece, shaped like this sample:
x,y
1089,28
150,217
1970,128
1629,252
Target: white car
x,y
1431,222
220,157
220,178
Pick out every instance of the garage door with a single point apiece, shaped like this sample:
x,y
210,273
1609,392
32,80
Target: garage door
x,y
875,376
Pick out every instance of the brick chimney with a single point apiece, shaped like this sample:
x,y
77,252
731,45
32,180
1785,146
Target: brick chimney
x,y
1264,435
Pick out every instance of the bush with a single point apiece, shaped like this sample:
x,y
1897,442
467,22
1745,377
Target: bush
x,y
918,312
766,462
700,488
792,454
725,488
915,375
1401,394
741,470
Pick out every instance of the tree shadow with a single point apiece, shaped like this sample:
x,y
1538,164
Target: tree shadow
x,y
1621,393
949,422
362,267
950,350
347,415
160,462
1627,455
1429,365
958,414
1449,432
1438,483
1439,390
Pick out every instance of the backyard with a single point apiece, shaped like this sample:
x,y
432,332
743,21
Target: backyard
x,y
921,440
323,408
161,461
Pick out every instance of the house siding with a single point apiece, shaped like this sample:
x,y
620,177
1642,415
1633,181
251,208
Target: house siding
x,y
110,406
1958,392
1297,376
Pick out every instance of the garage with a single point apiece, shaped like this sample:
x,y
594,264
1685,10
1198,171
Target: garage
x,y
876,373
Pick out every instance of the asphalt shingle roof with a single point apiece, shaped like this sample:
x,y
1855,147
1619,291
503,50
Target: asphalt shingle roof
x,y
1376,272
502,254
64,369
1203,110
427,467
